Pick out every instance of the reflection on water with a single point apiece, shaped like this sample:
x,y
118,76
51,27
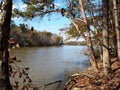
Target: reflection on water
x,y
48,64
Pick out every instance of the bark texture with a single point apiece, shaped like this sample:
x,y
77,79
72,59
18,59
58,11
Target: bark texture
x,y
117,29
105,33
88,38
5,19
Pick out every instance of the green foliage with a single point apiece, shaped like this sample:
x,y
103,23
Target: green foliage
x,y
34,8
23,27
73,32
29,13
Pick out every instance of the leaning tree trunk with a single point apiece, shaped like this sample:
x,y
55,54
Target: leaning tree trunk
x,y
106,58
5,19
88,38
96,31
117,29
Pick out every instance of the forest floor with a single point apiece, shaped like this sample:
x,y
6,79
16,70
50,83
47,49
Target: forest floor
x,y
91,80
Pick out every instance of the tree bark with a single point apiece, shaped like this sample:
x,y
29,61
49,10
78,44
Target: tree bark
x,y
105,37
117,28
5,20
88,38
96,31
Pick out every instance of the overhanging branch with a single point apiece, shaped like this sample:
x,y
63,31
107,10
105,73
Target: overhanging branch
x,y
77,27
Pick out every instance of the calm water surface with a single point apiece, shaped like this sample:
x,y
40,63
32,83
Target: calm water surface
x,y
48,64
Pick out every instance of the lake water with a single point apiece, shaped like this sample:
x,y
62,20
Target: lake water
x,y
48,64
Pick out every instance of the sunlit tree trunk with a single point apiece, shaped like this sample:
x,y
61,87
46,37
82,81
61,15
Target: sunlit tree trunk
x,y
88,38
96,31
5,19
106,58
117,29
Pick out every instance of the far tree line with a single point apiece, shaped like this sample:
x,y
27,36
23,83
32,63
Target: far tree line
x,y
25,36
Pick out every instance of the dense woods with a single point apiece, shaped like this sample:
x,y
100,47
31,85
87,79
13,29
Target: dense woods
x,y
96,21
24,36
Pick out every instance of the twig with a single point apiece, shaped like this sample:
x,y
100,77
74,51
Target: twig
x,y
59,81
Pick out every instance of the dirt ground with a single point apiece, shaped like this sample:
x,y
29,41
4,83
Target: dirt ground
x,y
91,80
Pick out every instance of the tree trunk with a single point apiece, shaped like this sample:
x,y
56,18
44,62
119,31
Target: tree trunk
x,y
114,39
96,31
106,58
88,38
5,19
117,28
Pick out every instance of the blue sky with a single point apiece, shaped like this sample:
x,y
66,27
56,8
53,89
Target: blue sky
x,y
53,25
